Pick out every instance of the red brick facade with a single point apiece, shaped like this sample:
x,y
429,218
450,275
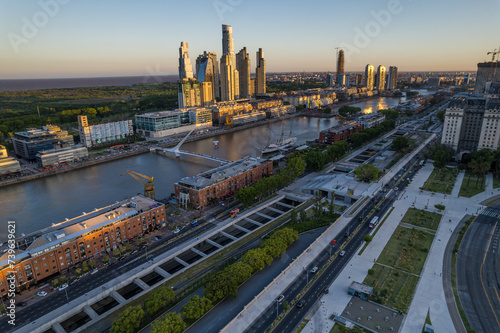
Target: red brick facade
x,y
339,133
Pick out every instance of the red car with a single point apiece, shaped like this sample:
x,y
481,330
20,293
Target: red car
x,y
334,242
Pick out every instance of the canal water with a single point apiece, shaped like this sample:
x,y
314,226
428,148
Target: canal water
x,y
39,203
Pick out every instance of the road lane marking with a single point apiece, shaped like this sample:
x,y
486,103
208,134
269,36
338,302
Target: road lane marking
x,y
481,275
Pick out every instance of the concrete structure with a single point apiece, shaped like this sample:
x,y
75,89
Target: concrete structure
x,y
392,78
471,123
358,80
342,80
434,82
243,67
58,156
189,93
28,144
369,77
8,164
330,80
380,79
224,109
229,76
339,185
206,94
360,290
371,119
207,73
260,74
42,254
221,182
340,63
339,132
185,67
165,123
486,72
99,133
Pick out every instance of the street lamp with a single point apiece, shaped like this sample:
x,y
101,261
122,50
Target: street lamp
x,y
67,298
277,304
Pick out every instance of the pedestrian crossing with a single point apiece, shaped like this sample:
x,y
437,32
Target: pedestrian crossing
x,y
491,212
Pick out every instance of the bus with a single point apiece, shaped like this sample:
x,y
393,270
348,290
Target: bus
x,y
373,222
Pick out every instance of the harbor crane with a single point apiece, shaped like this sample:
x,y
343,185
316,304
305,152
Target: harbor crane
x,y
149,187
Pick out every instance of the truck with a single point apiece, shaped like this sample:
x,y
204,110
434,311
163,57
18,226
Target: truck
x,y
234,212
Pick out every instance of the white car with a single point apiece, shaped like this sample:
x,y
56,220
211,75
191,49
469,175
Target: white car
x,y
64,286
42,293
342,253
176,231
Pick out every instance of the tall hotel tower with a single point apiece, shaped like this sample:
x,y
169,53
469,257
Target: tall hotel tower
x,y
380,78
369,76
229,76
260,73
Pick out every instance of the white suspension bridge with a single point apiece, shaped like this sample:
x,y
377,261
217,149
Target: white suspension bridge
x,y
177,151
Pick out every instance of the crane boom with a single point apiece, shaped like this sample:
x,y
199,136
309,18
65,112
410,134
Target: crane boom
x,y
149,187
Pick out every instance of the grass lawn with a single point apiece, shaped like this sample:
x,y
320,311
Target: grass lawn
x,y
392,287
422,218
476,185
407,250
496,181
441,180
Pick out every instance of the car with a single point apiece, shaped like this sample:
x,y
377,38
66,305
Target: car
x,y
300,303
280,298
334,242
314,269
21,304
346,234
64,286
92,272
176,231
149,256
342,253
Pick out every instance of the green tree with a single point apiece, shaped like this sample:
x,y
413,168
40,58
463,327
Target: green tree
x,y
129,320
257,258
315,160
440,207
440,158
327,110
158,299
196,307
399,143
389,113
440,115
303,216
367,173
346,109
293,216
172,323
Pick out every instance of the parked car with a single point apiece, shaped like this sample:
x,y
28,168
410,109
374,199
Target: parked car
x,y
176,231
92,272
334,242
64,286
42,293
300,303
280,298
314,269
21,304
342,253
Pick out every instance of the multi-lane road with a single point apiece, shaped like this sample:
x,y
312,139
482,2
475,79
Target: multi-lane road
x,y
478,272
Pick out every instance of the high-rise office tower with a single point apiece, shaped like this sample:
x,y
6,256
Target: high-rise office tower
x,y
243,67
369,76
227,41
260,73
392,78
188,93
207,70
185,68
340,63
380,83
359,80
486,72
227,79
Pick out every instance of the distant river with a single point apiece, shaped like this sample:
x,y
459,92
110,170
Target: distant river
x,y
39,203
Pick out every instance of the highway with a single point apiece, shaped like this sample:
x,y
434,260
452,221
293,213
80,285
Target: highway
x,y
85,284
478,272
320,286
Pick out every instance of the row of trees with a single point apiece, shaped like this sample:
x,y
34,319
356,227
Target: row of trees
x,y
295,166
368,134
225,283
348,110
481,162
316,160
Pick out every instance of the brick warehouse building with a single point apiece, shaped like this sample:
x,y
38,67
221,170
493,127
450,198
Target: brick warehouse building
x,y
221,182
55,249
339,133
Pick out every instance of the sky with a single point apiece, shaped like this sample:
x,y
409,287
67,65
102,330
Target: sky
x,y
76,38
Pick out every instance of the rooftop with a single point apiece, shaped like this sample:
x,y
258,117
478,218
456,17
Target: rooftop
x,y
340,128
361,287
222,173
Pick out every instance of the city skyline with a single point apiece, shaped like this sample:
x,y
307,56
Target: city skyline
x,y
55,38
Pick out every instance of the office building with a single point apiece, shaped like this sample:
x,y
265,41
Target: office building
x,y
41,255
472,123
260,74
392,78
219,183
342,80
369,77
359,80
55,157
380,80
223,110
339,132
434,82
227,78
330,80
189,93
102,133
8,164
207,71
206,94
154,124
486,72
370,120
200,116
28,144
185,68
243,67
340,63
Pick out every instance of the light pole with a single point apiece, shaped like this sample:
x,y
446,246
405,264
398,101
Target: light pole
x,y
277,304
67,298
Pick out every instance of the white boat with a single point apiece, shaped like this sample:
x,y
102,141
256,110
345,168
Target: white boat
x,y
281,144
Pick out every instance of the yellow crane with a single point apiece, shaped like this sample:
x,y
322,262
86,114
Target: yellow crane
x,y
149,187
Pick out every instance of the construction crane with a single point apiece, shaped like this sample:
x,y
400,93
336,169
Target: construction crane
x,y
493,53
149,187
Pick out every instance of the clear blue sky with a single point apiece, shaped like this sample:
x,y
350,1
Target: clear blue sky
x,y
119,38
